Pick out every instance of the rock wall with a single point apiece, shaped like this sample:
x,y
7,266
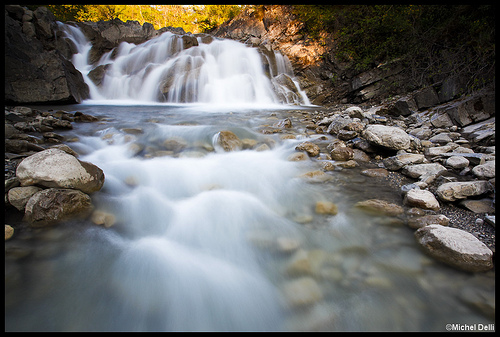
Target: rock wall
x,y
35,69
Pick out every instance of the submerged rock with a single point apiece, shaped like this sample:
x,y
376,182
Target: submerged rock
x,y
228,141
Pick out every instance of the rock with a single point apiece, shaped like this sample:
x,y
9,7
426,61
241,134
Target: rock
x,y
431,219
379,207
301,292
228,141
478,206
485,171
35,71
397,162
316,176
342,153
56,168
421,198
103,218
426,98
379,172
284,123
389,137
51,206
461,190
298,156
455,247
9,232
457,162
326,207
415,171
311,148
19,196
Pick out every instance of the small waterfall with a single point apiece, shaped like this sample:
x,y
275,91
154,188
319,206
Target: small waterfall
x,y
171,68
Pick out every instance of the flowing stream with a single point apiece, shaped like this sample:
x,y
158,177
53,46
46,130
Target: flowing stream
x,y
208,240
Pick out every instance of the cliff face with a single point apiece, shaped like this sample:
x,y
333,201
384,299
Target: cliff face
x,y
35,69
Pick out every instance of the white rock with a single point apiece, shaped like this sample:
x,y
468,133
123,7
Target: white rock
x,y
422,198
387,136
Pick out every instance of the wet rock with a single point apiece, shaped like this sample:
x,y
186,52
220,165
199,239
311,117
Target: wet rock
x,y
431,219
311,148
50,206
326,207
390,137
301,292
421,198
56,168
379,207
461,190
379,172
338,150
455,247
103,218
228,141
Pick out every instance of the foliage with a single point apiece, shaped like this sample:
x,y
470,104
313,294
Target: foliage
x,y
194,18
421,35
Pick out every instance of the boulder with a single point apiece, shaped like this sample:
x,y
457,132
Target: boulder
x,y
485,171
53,205
390,137
455,247
457,162
421,198
228,141
311,148
415,171
461,190
56,168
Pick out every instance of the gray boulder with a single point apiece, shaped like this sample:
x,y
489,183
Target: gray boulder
x,y
56,168
461,190
455,247
390,137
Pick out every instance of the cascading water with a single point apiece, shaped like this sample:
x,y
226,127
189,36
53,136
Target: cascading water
x,y
163,70
201,239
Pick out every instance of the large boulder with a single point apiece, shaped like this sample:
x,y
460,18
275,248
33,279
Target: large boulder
x,y
461,190
455,247
390,137
50,206
35,70
56,168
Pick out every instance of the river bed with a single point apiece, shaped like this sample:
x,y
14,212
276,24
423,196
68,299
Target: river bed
x,y
208,240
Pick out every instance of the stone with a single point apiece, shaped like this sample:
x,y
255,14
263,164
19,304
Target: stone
x,y
342,153
301,292
379,207
9,232
311,148
56,168
326,207
19,196
228,141
455,247
431,219
478,206
485,171
453,191
103,218
298,156
415,171
53,205
421,198
390,137
441,138
457,162
397,162
378,172
426,98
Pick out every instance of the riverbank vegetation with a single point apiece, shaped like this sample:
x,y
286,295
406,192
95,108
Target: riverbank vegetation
x,y
433,40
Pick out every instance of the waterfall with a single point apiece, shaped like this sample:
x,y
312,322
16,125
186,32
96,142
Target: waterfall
x,y
167,69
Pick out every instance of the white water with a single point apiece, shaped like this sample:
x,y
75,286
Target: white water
x,y
161,70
